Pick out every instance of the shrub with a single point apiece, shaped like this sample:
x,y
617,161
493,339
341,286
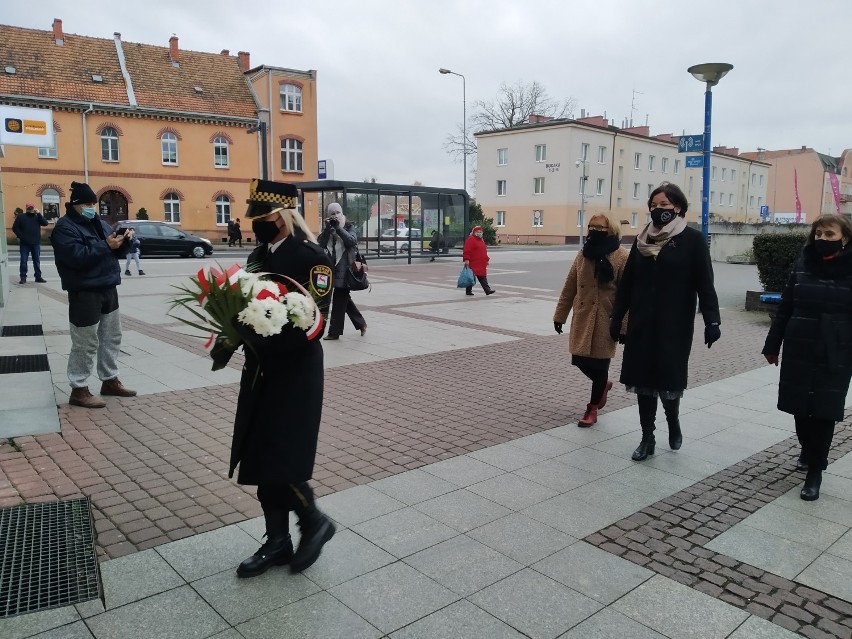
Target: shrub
x,y
775,255
142,214
477,218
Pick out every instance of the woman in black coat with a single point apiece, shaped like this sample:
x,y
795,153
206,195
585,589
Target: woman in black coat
x,y
669,264
814,322
280,402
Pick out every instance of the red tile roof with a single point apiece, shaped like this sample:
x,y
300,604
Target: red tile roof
x,y
49,71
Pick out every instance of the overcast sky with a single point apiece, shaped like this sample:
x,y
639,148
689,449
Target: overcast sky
x,y
385,111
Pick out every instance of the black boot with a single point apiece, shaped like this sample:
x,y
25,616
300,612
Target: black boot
x,y
647,417
672,410
813,480
316,529
278,549
802,465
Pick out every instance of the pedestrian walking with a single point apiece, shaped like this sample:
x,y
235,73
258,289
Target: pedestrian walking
x,y
133,255
339,240
231,234
279,408
814,324
589,292
475,255
27,228
87,252
669,264
238,233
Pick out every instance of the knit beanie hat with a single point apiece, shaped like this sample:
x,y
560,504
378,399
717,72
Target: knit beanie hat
x,y
333,208
82,193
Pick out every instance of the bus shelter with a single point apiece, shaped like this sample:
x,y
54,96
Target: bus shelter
x,y
393,220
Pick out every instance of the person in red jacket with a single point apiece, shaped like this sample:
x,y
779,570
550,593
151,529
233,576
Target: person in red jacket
x,y
475,255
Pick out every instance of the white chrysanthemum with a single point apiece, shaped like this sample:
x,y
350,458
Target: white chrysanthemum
x,y
300,309
265,317
252,285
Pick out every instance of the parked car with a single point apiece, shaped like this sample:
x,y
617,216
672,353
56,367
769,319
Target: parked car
x,y
397,240
159,238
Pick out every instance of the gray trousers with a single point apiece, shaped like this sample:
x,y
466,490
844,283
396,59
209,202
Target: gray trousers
x,y
134,257
97,332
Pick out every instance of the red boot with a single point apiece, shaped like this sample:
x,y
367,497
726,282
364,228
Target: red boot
x,y
591,416
607,388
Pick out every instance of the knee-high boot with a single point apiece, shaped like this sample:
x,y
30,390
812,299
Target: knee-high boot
x,y
672,410
647,417
316,529
278,549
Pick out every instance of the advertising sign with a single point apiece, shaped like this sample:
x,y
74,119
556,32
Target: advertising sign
x,y
21,126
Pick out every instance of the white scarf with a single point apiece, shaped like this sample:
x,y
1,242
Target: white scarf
x,y
652,239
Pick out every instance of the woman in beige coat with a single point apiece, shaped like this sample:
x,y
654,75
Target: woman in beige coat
x,y
589,292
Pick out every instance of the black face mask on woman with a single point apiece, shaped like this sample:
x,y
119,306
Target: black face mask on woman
x,y
827,248
661,217
265,231
597,237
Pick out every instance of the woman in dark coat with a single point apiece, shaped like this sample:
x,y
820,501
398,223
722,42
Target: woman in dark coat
x,y
669,264
475,255
280,401
814,322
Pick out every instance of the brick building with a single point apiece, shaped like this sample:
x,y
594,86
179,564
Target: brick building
x,y
153,127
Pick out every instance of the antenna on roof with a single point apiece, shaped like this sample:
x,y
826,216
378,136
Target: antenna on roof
x,y
633,104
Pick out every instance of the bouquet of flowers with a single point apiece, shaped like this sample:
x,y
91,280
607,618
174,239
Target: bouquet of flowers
x,y
223,303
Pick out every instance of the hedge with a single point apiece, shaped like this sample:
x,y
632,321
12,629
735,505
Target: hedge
x,y
775,255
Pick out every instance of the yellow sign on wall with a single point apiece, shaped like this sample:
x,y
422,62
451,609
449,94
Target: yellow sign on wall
x,y
26,127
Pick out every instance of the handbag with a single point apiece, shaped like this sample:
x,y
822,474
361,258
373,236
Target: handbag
x,y
466,278
356,274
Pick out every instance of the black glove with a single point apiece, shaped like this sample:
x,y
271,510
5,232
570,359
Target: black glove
x,y
712,333
557,326
615,330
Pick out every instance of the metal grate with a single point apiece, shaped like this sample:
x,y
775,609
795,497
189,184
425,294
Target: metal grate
x,y
23,364
21,330
48,556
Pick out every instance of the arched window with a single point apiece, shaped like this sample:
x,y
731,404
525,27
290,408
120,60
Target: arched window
x,y
109,145
291,98
223,209
220,153
291,155
168,142
171,208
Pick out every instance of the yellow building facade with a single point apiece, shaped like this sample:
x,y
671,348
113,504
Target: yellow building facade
x,y
173,132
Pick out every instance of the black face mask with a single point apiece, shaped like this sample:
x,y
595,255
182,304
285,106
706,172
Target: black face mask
x,y
597,237
827,248
265,232
661,217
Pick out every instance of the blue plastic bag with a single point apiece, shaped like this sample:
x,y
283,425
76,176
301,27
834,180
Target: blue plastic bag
x,y
466,278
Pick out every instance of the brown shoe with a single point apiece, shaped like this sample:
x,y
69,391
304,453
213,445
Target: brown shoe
x,y
115,387
82,397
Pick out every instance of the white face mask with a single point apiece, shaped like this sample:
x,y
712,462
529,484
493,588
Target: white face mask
x,y
478,235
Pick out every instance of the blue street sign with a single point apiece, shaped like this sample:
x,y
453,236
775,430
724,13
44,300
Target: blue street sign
x,y
690,143
321,170
694,161
764,212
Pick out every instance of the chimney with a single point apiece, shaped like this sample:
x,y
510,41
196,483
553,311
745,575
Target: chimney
x,y
174,52
225,52
244,61
58,37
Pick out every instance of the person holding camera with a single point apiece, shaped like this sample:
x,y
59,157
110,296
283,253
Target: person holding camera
x,y
340,242
133,256
87,255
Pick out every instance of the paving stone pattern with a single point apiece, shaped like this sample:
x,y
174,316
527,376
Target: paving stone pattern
x,y
668,537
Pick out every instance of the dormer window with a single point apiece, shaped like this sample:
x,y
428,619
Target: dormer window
x,y
97,77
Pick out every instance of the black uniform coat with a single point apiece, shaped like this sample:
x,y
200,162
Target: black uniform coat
x,y
814,321
660,297
280,403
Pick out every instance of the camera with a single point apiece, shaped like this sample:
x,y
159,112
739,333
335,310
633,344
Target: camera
x,y
332,221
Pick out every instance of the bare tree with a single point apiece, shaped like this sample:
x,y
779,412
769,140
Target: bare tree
x,y
513,105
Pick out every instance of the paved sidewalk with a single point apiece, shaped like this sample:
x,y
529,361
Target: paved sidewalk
x,y
468,502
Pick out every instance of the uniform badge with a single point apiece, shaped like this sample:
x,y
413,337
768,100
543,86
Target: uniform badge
x,y
321,280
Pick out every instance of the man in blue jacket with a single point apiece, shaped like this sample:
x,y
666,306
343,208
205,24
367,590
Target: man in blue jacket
x,y
87,253
27,228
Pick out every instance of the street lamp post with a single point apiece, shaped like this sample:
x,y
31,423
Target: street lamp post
x,y
582,224
464,121
261,128
709,73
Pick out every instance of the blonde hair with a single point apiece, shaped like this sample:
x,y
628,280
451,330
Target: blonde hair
x,y
614,228
293,221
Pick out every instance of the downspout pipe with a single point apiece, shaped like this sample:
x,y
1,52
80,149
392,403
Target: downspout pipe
x,y
86,144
